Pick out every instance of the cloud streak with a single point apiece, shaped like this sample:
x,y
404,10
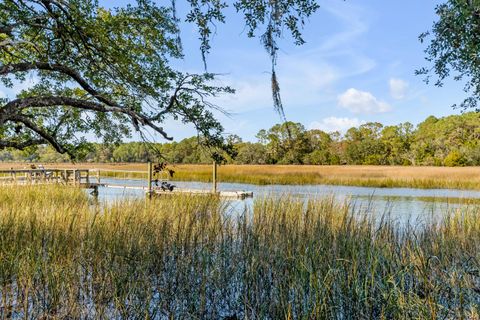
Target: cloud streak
x,y
307,77
351,17
303,82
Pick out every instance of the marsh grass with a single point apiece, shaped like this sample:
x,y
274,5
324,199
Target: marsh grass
x,y
429,199
364,176
190,258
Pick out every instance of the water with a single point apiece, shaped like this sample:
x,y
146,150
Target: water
x,y
401,203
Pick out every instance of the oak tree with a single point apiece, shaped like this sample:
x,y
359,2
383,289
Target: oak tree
x,y
110,71
454,48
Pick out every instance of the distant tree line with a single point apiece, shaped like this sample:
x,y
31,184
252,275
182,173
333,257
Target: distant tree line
x,y
448,141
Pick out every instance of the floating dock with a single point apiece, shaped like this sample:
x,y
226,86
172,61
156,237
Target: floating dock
x,y
240,195
223,194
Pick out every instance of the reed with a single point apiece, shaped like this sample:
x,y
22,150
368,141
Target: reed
x,y
62,256
364,176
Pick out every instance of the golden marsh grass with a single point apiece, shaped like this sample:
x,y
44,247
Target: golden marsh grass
x,y
367,176
190,257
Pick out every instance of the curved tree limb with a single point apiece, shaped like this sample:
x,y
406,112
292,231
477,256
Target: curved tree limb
x,y
20,145
28,66
13,107
40,131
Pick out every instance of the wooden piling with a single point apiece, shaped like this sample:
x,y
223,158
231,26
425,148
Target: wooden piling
x,y
214,190
150,178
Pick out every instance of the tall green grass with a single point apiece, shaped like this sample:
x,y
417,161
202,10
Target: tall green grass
x,y
185,257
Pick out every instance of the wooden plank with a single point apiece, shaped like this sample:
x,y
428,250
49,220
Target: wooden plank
x,y
116,186
222,194
8,171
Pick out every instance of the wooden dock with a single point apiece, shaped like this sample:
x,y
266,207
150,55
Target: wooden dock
x,y
91,179
157,191
240,195
76,177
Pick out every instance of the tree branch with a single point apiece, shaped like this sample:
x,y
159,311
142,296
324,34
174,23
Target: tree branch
x,y
20,145
27,66
12,108
40,131
6,29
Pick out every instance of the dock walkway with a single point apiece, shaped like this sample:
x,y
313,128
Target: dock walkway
x,y
77,177
91,179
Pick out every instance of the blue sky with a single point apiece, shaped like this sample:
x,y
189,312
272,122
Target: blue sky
x,y
357,66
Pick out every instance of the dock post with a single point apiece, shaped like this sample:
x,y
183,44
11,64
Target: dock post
x,y
94,192
214,177
150,178
98,176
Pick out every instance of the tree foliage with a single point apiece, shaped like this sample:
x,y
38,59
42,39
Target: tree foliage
x,y
108,71
453,48
449,141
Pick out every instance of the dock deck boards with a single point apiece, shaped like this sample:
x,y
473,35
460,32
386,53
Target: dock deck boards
x,y
222,194
160,192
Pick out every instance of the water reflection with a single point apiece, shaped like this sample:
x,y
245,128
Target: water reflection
x,y
400,203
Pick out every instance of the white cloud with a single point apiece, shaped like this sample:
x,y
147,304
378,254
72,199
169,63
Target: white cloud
x,y
332,124
398,88
358,101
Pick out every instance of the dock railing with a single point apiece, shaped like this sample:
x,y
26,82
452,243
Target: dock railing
x,y
92,179
45,176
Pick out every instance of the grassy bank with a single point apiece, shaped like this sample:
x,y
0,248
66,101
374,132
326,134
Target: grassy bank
x,y
188,257
367,176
